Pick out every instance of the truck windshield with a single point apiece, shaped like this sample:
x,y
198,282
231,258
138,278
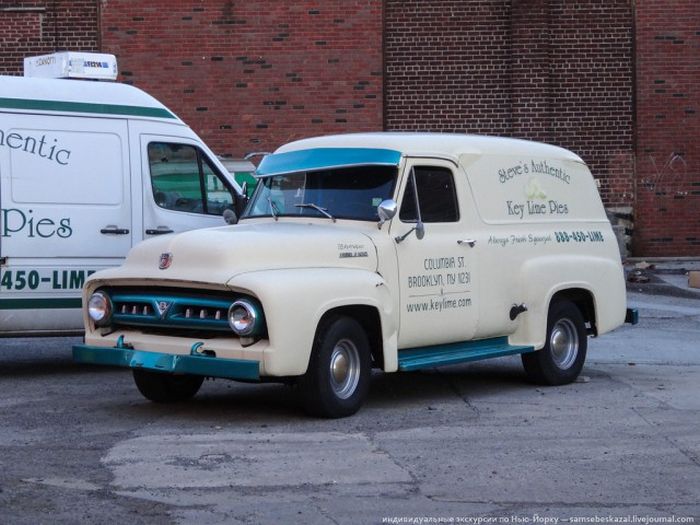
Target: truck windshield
x,y
341,193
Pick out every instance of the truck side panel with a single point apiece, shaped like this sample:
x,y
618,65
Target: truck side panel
x,y
542,229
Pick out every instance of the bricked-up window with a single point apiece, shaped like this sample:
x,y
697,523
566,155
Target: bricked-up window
x,y
436,195
183,180
558,72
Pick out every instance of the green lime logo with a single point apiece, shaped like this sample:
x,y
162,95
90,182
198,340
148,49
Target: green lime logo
x,y
17,223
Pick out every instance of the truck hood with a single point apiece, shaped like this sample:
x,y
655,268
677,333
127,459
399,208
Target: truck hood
x,y
216,255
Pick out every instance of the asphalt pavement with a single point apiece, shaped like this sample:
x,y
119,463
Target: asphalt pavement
x,y
472,443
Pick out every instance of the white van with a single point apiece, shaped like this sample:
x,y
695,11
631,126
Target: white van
x,y
87,170
388,250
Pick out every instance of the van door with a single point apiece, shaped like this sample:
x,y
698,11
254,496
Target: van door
x,y
437,272
183,189
65,213
66,189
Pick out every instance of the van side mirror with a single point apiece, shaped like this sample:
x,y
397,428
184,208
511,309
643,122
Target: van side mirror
x,y
230,216
244,189
386,211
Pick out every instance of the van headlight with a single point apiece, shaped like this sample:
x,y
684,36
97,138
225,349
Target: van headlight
x,y
100,308
244,318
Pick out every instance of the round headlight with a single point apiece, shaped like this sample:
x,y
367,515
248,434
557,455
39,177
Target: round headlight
x,y
242,317
99,308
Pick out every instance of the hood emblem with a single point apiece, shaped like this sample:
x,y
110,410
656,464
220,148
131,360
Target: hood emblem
x,y
163,307
165,261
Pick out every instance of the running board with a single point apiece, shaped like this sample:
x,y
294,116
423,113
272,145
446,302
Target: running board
x,y
454,353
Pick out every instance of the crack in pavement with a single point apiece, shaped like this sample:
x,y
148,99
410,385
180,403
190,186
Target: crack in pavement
x,y
455,388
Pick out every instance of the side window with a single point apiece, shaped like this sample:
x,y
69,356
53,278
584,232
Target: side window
x,y
183,180
436,195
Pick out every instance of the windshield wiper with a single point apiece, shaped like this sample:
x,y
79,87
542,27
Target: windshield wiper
x,y
316,207
274,210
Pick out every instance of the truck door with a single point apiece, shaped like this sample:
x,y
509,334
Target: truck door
x,y
437,273
182,187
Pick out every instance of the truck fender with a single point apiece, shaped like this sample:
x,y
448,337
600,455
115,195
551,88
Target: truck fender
x,y
542,278
295,300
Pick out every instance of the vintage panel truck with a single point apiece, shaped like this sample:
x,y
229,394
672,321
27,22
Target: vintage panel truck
x,y
386,250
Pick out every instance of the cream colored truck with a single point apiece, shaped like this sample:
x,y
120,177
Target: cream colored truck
x,y
391,251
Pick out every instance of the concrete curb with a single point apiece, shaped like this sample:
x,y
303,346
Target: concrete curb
x,y
665,276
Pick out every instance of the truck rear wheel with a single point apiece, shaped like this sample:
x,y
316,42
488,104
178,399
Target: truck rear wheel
x,y
561,360
336,382
166,388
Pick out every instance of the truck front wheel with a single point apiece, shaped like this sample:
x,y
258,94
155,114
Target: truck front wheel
x,y
336,382
561,360
166,388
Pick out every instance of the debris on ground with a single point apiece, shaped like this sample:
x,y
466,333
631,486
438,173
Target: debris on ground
x,y
643,265
638,276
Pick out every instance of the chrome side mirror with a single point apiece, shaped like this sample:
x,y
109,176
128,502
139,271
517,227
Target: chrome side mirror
x,y
386,211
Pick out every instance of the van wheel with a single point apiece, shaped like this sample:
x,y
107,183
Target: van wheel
x,y
336,382
561,360
166,388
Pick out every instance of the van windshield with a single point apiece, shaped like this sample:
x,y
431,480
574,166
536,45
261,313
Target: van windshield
x,y
340,193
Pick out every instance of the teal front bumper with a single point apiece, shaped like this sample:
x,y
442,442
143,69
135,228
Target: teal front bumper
x,y
200,365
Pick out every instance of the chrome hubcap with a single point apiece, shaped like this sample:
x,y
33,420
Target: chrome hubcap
x,y
344,368
563,342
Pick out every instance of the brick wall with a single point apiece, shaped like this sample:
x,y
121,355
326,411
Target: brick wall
x,y
447,66
668,127
252,75
38,27
549,70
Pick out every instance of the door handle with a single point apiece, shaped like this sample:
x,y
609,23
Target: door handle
x,y
470,242
113,230
158,231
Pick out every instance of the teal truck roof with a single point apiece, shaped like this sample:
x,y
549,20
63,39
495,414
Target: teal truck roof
x,y
324,158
